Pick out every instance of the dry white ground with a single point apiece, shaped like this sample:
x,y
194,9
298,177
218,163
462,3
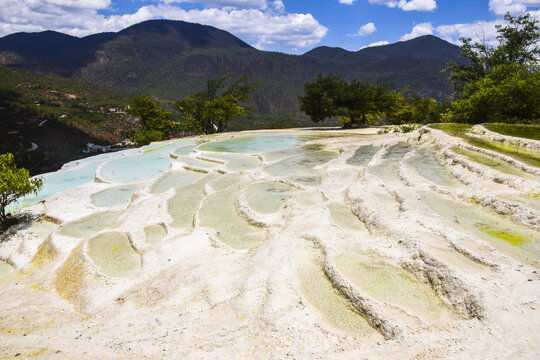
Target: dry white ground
x,y
368,259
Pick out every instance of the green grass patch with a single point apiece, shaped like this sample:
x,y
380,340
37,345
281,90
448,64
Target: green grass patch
x,y
517,130
452,129
490,161
460,130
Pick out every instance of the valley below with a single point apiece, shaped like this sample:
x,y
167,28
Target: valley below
x,y
323,244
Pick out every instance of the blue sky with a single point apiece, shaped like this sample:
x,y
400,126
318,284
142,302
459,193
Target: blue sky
x,y
292,26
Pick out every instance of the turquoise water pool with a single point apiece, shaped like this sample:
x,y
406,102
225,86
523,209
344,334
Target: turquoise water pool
x,y
255,144
62,180
147,164
137,165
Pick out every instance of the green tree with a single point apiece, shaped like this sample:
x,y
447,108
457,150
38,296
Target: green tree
x,y
413,109
321,96
155,121
517,45
501,83
357,103
210,111
508,93
14,184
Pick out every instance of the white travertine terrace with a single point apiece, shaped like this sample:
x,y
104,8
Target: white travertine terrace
x,y
368,246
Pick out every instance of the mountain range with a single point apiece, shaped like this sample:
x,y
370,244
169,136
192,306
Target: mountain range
x,y
171,58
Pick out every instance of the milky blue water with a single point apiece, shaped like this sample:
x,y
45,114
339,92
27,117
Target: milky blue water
x,y
148,163
63,180
255,144
136,165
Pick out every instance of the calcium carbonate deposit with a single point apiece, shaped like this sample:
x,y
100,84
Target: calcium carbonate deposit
x,y
285,244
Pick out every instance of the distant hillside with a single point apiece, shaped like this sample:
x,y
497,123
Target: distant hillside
x,y
169,58
47,121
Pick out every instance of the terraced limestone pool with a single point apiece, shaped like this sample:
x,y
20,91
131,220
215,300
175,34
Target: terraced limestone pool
x,y
268,197
427,165
331,306
220,255
89,225
499,231
254,144
146,164
117,195
343,217
389,167
174,179
61,180
462,131
155,233
493,162
184,204
113,254
236,162
363,155
219,212
388,284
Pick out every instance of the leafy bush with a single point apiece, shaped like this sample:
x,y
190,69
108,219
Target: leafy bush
x,y
145,137
14,184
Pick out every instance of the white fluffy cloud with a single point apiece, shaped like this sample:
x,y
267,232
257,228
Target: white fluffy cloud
x,y
260,22
408,5
366,29
480,31
419,30
501,7
374,44
347,2
237,4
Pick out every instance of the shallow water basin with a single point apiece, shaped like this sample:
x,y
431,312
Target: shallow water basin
x,y
301,162
308,178
184,150
149,163
219,212
389,284
388,169
114,196
113,254
268,197
363,155
237,162
184,204
155,233
281,154
203,164
333,308
427,165
89,225
493,162
173,179
223,182
497,230
254,144
344,218
59,181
